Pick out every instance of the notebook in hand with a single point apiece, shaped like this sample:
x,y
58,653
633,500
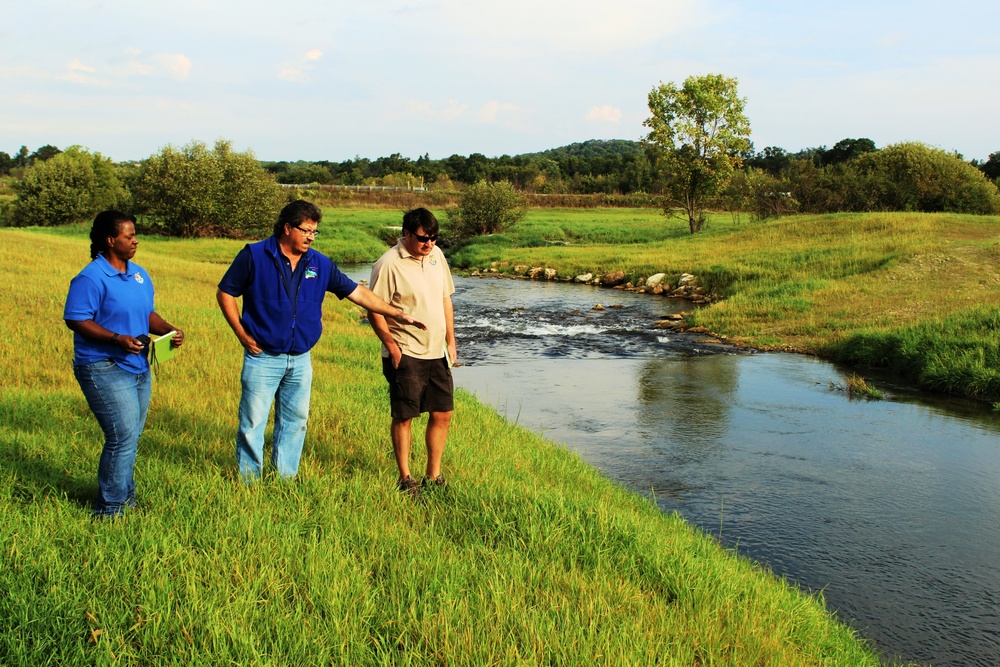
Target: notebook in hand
x,y
160,348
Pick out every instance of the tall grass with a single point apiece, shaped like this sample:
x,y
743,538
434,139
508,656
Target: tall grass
x,y
530,557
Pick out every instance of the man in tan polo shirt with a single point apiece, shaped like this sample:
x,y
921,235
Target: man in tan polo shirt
x,y
414,276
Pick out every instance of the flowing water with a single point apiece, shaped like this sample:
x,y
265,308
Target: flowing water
x,y
891,507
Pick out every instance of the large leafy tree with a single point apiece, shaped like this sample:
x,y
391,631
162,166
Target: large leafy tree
x,y
698,133
197,191
73,185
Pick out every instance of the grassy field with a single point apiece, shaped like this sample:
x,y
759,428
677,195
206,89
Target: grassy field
x,y
912,292
530,557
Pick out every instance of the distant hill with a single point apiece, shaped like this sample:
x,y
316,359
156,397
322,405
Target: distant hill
x,y
592,148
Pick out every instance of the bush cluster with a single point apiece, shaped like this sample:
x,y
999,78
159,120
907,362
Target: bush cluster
x,y
190,191
486,208
197,191
69,186
901,177
914,177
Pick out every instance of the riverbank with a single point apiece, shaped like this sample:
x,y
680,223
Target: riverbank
x,y
530,557
912,293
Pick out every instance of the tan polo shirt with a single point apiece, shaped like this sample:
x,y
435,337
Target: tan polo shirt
x,y
417,286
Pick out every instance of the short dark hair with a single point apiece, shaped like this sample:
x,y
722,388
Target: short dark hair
x,y
107,223
420,217
295,213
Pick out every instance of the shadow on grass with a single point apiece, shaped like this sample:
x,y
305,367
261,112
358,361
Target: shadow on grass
x,y
36,449
51,445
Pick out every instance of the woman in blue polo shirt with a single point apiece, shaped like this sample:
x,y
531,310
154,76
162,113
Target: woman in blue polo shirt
x,y
109,305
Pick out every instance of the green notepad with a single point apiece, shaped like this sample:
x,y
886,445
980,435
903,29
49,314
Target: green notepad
x,y
160,349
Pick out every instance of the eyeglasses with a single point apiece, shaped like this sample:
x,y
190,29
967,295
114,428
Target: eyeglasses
x,y
308,232
424,239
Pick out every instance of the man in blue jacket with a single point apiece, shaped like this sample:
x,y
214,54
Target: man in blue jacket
x,y
283,283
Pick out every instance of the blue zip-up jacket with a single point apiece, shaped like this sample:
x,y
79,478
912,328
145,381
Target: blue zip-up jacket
x,y
279,324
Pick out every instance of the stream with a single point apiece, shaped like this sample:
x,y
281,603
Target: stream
x,y
890,507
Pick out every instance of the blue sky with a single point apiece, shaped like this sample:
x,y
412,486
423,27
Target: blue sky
x,y
326,79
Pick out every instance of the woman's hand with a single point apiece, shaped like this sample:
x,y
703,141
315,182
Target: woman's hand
x,y
129,344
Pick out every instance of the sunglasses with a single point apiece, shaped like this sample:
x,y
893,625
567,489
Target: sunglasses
x,y
424,239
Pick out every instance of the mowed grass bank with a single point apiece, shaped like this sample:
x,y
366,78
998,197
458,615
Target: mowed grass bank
x,y
531,557
915,293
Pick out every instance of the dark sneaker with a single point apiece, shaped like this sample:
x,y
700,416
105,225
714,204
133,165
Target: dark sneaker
x,y
438,482
409,485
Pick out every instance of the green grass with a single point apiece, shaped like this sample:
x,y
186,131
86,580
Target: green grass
x,y
531,557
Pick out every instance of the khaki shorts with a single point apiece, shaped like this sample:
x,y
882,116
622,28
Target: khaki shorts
x,y
419,385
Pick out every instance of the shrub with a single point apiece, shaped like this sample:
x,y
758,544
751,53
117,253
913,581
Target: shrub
x,y
916,177
73,185
195,191
760,194
486,208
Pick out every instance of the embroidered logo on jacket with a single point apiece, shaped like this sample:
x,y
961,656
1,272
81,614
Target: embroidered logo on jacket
x,y
311,272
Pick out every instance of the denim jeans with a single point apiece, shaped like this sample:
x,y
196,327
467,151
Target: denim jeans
x,y
285,380
119,400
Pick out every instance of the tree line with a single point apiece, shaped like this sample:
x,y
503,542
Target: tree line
x,y
696,157
590,167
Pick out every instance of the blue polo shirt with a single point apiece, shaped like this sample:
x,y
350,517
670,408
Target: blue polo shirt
x,y
119,302
282,309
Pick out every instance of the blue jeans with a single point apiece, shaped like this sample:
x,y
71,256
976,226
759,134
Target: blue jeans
x,y
120,400
285,380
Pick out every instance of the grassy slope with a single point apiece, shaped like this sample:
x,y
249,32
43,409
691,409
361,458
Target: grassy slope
x,y
532,557
913,292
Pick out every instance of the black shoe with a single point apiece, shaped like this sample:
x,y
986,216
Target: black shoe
x,y
438,482
409,485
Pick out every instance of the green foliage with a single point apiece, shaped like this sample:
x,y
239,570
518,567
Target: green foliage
x,y
486,208
847,149
69,186
759,193
915,177
960,354
46,152
593,148
992,167
194,191
300,173
698,134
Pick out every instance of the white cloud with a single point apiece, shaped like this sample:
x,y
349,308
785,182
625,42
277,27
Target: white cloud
x,y
137,63
454,110
77,72
292,73
493,112
570,25
605,114
298,72
424,110
76,66
178,66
